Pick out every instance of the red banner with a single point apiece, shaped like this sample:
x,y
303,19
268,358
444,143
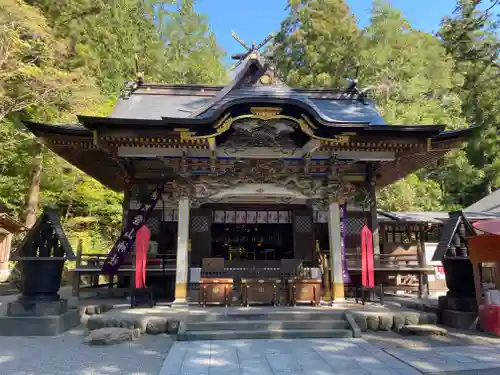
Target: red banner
x,y
367,269
141,256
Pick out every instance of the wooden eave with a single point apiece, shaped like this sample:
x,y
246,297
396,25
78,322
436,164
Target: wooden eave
x,y
76,145
10,224
408,162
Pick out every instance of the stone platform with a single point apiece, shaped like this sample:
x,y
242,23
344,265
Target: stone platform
x,y
215,323
25,318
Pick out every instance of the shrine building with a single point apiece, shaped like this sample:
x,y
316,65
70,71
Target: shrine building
x,y
254,172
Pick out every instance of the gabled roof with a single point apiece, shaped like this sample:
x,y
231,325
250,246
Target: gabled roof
x,y
457,218
155,102
27,248
490,203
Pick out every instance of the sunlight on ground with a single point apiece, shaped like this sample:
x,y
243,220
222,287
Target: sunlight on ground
x,y
6,358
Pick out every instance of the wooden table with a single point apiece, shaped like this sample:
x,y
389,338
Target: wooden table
x,y
261,291
304,290
216,290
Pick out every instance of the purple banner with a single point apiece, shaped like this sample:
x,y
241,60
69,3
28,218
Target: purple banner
x,y
345,271
119,251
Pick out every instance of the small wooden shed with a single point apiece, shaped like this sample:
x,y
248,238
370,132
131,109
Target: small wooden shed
x,y
8,227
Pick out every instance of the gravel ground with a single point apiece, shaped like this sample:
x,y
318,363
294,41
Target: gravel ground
x,y
66,354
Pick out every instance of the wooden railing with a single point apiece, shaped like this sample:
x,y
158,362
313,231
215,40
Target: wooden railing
x,y
89,265
410,261
92,263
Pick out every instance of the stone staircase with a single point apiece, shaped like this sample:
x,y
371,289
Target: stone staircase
x,y
280,324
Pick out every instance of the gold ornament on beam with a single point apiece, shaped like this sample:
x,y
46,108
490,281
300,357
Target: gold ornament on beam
x,y
306,126
222,126
265,113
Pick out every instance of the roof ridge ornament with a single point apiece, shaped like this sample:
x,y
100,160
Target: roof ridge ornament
x,y
352,91
131,86
254,49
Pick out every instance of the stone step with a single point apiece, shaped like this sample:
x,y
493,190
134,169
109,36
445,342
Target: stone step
x,y
297,315
266,334
255,325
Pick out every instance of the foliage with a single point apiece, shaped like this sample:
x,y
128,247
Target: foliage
x,y
63,58
317,43
191,50
471,37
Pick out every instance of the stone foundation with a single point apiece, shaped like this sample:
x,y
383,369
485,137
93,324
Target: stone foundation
x,y
387,321
458,319
26,318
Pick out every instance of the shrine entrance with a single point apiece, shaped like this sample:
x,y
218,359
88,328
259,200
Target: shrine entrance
x,y
258,234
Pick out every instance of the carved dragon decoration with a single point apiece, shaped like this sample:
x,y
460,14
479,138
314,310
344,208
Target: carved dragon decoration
x,y
200,189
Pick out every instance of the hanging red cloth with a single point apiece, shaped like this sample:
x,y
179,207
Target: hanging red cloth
x,y
367,270
141,256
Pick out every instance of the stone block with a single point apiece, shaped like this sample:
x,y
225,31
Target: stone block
x,y
111,335
424,330
385,321
398,321
49,325
28,308
458,319
356,331
372,321
96,322
156,325
97,309
172,327
427,318
457,304
411,318
360,320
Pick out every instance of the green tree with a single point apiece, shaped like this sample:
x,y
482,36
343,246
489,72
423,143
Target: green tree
x,y
470,37
317,45
105,36
191,51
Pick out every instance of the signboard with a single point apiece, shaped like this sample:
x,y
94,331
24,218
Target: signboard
x,y
122,247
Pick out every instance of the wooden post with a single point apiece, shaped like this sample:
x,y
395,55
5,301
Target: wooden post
x,y
76,275
424,259
477,284
182,266
335,251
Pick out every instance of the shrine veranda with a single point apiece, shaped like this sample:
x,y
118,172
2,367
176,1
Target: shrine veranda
x,y
253,172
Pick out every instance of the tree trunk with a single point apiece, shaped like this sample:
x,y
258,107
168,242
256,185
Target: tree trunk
x,y
33,195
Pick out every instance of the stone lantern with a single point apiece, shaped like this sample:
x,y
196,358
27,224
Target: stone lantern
x,y
40,311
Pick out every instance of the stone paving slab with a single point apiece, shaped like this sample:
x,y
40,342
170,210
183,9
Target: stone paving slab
x,y
450,358
282,357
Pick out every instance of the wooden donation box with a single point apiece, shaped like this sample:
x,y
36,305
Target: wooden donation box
x,y
216,290
261,291
304,290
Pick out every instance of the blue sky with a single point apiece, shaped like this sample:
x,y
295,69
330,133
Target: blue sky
x,y
255,19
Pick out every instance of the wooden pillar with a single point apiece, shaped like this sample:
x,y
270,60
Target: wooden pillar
x,y
373,219
181,271
125,206
5,249
76,274
335,236
423,277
